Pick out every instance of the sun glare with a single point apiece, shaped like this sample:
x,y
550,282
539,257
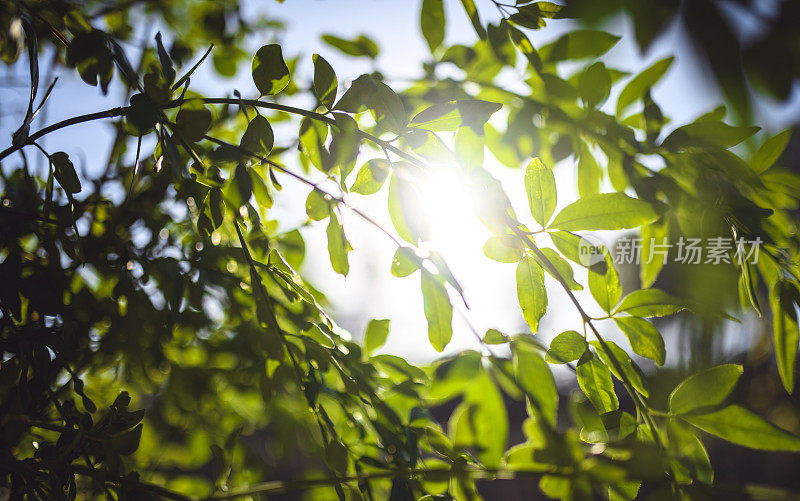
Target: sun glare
x,y
453,224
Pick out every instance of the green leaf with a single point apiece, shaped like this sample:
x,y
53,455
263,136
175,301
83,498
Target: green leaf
x,y
317,206
569,245
258,138
630,370
474,18
260,190
590,174
494,336
371,176
605,211
438,311
358,47
385,105
336,457
455,114
562,267
594,378
405,262
532,15
524,45
165,61
540,185
707,388
783,298
431,22
469,148
270,73
126,443
338,246
502,48
645,339
604,283
531,292
344,145
594,85
65,172
405,208
566,347
325,81
536,379
191,124
483,421
655,237
748,282
375,335
740,426
770,151
316,333
691,460
312,142
707,134
387,108
239,189
578,44
650,303
641,83
503,248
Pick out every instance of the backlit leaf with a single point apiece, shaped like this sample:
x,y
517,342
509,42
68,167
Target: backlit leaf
x,y
371,176
707,388
784,297
360,46
650,303
566,347
406,208
405,262
535,378
594,378
531,293
474,18
454,114
578,44
375,335
432,22
630,370
258,138
770,151
707,134
338,246
604,211
641,83
604,283
503,248
740,426
561,266
438,311
540,185
325,81
645,339
270,73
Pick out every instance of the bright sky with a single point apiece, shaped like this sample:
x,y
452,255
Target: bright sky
x,y
370,291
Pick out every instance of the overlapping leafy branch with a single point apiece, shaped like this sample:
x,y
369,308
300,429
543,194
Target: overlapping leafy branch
x,y
211,327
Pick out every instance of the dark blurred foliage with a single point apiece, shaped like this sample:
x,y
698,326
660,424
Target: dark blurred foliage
x,y
767,63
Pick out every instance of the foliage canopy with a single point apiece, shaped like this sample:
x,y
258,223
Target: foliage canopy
x,y
158,340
